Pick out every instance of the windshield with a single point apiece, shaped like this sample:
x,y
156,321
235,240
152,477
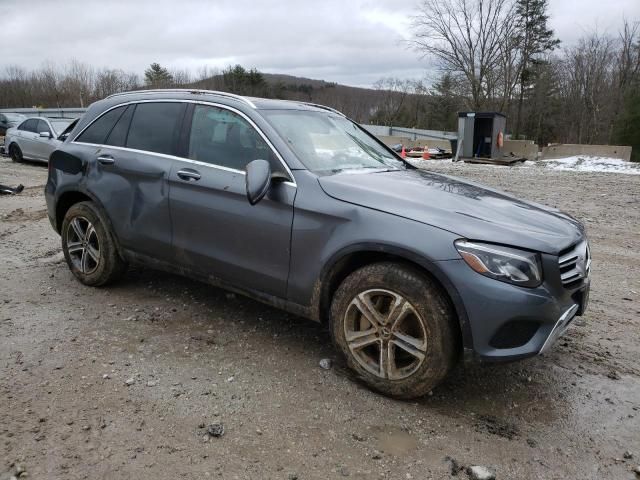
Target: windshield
x,y
325,141
60,125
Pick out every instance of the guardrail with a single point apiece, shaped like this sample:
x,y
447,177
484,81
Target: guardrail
x,y
412,133
47,112
380,130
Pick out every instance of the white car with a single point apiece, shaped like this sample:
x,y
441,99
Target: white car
x,y
36,138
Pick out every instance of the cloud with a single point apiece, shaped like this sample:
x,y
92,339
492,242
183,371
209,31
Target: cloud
x,y
354,42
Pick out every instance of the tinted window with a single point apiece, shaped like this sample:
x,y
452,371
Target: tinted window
x,y
43,126
154,127
29,125
98,130
118,135
222,137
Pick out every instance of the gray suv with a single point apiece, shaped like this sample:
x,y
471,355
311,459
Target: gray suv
x,y
297,206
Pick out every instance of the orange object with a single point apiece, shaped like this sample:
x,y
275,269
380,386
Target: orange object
x,y
500,140
425,154
403,153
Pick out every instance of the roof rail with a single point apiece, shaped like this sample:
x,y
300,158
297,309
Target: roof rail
x,y
185,90
324,107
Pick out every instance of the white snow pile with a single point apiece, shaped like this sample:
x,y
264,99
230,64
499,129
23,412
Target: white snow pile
x,y
592,164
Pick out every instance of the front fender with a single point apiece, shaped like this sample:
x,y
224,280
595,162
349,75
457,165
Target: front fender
x,y
367,252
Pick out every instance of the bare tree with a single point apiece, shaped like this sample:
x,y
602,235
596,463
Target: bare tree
x,y
585,77
394,92
467,37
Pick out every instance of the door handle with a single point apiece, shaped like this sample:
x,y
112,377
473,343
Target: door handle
x,y
106,160
188,174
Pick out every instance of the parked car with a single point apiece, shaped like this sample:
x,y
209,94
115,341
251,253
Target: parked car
x,y
297,206
8,120
36,138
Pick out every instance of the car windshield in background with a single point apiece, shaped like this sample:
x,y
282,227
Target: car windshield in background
x,y
60,125
328,142
14,117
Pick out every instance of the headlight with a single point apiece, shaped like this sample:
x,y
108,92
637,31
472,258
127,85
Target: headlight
x,y
502,263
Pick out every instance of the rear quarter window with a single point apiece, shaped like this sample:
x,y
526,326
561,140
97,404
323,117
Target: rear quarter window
x,y
118,135
97,132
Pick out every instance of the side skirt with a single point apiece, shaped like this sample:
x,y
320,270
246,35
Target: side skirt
x,y
281,303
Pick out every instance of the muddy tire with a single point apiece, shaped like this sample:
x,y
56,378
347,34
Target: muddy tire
x,y
396,329
15,153
89,246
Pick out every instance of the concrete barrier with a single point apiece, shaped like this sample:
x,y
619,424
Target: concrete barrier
x,y
389,140
521,148
571,150
443,144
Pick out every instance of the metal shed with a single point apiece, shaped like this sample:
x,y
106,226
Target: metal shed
x,y
481,134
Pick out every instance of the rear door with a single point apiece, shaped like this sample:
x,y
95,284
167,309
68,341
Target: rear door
x,y
27,137
133,147
216,232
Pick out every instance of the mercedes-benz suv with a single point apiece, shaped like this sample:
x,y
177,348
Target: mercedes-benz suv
x,y
297,206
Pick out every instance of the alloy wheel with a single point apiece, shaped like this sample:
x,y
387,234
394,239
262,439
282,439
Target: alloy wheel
x,y
385,334
82,245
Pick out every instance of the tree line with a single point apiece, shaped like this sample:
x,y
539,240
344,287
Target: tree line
x,y
497,55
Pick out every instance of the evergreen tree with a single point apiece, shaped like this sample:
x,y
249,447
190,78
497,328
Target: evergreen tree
x,y
627,127
157,76
447,102
534,38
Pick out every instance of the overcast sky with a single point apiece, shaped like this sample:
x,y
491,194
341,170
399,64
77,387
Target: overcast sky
x,y
348,41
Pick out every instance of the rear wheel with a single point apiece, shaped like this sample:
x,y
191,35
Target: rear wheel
x,y
89,247
15,153
396,329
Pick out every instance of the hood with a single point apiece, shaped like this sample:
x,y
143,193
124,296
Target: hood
x,y
459,206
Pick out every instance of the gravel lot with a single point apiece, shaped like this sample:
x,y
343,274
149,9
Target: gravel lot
x,y
121,382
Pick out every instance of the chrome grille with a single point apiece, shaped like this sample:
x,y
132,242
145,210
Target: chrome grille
x,y
574,264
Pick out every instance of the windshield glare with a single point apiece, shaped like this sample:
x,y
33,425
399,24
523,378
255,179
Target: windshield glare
x,y
328,142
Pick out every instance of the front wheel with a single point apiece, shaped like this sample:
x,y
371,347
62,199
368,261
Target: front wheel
x,y
89,247
396,329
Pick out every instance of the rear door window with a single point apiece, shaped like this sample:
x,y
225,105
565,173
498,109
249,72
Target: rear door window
x,y
155,127
30,125
98,130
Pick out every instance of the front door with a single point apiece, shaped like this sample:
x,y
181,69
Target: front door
x,y
216,232
43,146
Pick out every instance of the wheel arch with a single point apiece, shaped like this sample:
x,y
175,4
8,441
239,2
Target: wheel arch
x,y
69,198
13,142
351,258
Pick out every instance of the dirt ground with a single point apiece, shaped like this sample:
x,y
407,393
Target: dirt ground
x,y
121,382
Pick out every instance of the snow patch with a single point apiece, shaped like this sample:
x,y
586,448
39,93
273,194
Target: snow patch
x,y
592,164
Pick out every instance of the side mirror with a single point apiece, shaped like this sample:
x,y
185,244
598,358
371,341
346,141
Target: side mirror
x,y
45,135
258,180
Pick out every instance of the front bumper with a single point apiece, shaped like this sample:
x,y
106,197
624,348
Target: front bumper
x,y
506,322
560,327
